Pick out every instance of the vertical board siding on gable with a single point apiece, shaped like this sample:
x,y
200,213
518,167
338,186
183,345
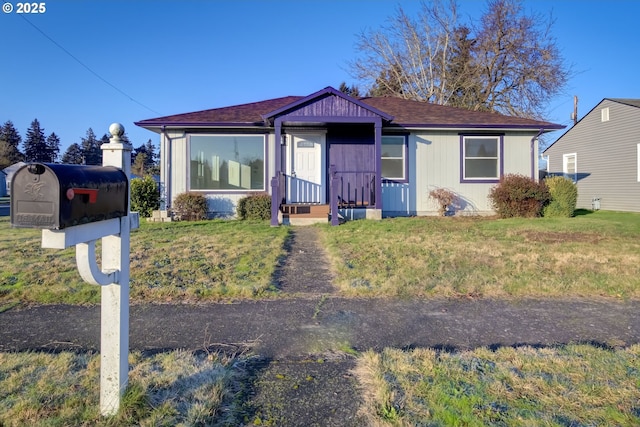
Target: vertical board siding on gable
x,y
606,157
332,106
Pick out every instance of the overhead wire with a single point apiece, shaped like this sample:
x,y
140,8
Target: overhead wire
x,y
87,67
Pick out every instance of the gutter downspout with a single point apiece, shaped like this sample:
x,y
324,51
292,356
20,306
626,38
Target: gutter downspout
x,y
534,155
165,171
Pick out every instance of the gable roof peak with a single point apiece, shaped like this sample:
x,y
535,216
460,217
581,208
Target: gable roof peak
x,y
323,93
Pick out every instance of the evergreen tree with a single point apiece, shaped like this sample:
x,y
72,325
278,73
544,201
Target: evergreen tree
x,y
138,168
9,145
352,90
144,158
91,149
153,160
73,155
35,145
53,147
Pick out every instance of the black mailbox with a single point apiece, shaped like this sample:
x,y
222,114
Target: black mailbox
x,y
54,196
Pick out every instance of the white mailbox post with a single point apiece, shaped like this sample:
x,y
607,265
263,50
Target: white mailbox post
x,y
113,276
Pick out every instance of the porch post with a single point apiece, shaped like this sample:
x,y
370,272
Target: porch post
x,y
275,179
333,195
378,162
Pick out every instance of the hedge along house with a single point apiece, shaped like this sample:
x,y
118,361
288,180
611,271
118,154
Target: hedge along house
x,y
369,157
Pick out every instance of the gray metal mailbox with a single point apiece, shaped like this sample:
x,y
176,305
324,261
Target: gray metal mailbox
x,y
55,196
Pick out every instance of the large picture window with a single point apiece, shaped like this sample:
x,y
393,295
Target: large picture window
x,y
227,162
393,157
481,158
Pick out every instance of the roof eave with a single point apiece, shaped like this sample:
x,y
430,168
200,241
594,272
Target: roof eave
x,y
547,127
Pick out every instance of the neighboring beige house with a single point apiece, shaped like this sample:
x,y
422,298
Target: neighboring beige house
x,y
601,153
329,152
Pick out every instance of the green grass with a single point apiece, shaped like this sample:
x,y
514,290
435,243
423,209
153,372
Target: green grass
x,y
561,386
170,262
591,255
597,254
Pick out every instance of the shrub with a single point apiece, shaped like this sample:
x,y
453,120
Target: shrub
x,y
145,196
257,206
519,196
564,197
444,197
190,207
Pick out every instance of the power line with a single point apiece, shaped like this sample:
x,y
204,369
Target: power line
x,y
87,67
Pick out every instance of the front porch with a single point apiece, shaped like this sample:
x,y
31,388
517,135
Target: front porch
x,y
328,152
352,195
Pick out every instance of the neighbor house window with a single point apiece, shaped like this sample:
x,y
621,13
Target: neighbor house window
x,y
227,162
570,166
393,158
481,158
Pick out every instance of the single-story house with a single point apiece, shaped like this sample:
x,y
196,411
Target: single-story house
x,y
3,184
9,171
328,152
601,153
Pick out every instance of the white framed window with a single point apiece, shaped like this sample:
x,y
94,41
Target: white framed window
x,y
604,114
570,166
227,162
394,154
638,163
481,158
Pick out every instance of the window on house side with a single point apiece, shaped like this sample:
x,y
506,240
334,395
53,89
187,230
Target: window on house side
x,y
481,158
570,166
393,157
227,162
638,163
605,114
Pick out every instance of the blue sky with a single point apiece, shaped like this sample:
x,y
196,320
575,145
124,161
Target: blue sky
x,y
168,57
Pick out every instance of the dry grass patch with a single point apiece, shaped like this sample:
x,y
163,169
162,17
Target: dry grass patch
x,y
591,255
567,385
167,389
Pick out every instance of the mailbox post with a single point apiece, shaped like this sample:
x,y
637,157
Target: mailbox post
x,y
114,339
76,206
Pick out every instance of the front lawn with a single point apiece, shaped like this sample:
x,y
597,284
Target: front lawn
x,y
591,255
170,262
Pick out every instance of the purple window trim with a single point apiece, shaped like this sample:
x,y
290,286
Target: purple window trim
x,y
500,137
231,192
406,161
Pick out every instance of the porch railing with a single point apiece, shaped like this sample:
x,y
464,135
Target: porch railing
x,y
351,189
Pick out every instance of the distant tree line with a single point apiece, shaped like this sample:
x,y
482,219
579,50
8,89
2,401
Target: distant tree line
x,y
38,148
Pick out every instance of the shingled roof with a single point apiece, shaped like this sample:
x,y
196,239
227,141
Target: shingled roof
x,y
405,113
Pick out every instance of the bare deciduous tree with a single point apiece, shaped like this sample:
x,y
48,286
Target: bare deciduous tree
x,y
408,58
508,62
518,61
